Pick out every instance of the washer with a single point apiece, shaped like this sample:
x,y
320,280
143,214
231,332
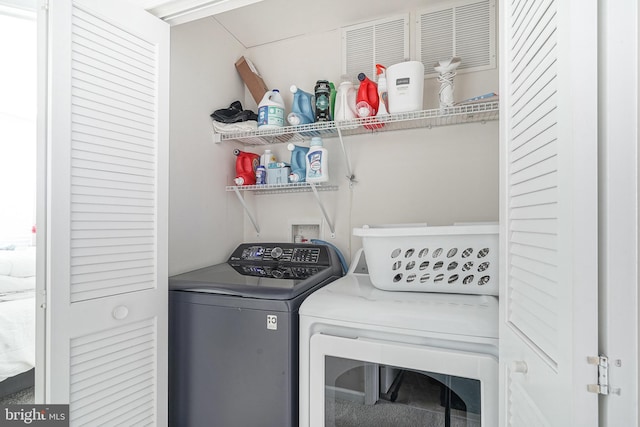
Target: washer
x,y
452,338
233,335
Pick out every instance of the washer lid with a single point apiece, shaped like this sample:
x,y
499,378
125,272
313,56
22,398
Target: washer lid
x,y
280,282
353,298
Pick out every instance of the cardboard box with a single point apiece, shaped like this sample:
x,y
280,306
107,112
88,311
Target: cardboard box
x,y
251,78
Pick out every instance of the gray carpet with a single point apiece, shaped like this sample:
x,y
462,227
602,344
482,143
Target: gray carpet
x,y
25,396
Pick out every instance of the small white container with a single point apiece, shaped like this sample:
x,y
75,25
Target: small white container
x,y
405,86
449,259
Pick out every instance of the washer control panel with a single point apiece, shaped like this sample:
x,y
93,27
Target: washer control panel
x,y
282,253
280,260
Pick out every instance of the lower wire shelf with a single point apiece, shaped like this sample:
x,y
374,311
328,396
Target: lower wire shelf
x,y
296,187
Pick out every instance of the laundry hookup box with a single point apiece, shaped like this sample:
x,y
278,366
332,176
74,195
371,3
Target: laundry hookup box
x,y
450,259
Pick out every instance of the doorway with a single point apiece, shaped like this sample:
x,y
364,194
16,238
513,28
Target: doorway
x,y
18,46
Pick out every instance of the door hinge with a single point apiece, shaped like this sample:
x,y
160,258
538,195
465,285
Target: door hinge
x,y
602,362
603,386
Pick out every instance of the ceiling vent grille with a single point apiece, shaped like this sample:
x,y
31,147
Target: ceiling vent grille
x,y
467,30
385,42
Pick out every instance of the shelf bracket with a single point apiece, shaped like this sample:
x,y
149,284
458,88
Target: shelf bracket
x,y
350,176
324,212
246,209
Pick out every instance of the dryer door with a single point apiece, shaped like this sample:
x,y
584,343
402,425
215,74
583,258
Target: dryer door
x,y
371,382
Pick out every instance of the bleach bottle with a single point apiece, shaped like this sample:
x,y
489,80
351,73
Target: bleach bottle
x,y
271,110
302,107
298,163
317,161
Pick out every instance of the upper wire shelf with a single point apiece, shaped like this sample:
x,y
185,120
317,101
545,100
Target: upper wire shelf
x,y
461,114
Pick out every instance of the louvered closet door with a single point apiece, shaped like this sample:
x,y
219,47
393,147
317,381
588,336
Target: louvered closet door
x,y
107,213
549,212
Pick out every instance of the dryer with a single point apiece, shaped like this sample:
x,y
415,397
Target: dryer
x,y
358,344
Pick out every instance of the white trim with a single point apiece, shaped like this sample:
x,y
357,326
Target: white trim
x,y
181,11
618,175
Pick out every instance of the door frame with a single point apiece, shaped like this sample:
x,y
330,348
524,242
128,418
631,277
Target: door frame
x,y
619,118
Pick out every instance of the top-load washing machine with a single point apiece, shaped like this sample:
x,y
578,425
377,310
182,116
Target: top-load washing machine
x,y
233,335
370,356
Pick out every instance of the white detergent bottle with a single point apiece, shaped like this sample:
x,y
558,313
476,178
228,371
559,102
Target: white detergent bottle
x,y
317,161
271,110
383,107
346,105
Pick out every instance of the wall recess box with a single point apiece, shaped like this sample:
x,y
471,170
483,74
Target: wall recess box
x,y
303,232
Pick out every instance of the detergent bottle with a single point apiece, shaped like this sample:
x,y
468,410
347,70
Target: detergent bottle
x,y
317,161
332,100
345,104
246,165
262,169
298,163
322,92
367,102
383,106
271,110
302,107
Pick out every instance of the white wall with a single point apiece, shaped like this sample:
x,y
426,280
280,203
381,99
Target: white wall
x,y
205,222
440,175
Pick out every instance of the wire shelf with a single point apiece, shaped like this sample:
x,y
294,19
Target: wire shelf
x,y
294,187
461,114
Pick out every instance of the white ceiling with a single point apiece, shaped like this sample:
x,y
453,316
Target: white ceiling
x,y
271,20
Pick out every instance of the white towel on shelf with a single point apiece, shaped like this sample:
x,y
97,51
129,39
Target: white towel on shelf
x,y
246,126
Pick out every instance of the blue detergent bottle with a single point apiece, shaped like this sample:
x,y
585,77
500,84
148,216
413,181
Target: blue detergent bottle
x,y
301,109
298,163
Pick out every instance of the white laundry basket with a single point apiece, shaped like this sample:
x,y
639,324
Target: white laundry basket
x,y
452,259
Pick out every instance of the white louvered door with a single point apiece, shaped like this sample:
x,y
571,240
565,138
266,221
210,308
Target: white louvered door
x,y
107,192
549,280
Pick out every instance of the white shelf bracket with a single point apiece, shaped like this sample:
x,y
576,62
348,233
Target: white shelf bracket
x,y
246,209
350,176
324,212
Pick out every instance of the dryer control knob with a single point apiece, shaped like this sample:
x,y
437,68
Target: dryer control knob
x,y
276,252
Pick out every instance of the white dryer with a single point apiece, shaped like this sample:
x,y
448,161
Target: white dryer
x,y
359,344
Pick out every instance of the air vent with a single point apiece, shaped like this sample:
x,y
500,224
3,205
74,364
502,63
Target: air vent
x,y
467,30
383,42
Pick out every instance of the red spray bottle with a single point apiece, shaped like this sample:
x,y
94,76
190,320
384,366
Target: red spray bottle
x,y
367,101
246,164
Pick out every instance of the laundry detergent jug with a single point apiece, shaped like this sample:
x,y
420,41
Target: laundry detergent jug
x,y
346,105
317,161
302,107
298,163
271,110
367,101
322,92
246,165
383,106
